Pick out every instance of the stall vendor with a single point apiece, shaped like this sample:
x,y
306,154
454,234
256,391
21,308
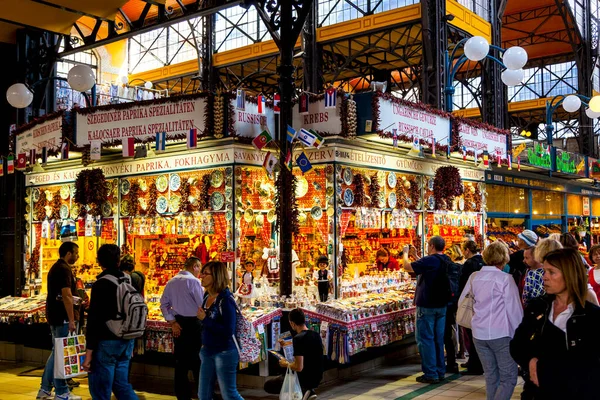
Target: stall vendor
x,y
385,261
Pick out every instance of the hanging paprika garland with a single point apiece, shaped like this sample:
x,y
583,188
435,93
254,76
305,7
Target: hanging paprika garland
x,y
374,191
56,205
134,194
359,190
185,195
447,185
204,192
152,197
91,190
40,208
291,220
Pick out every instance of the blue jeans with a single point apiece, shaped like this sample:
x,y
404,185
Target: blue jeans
x,y
60,385
109,370
500,370
220,367
430,339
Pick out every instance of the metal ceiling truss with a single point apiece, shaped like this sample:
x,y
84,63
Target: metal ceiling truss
x,y
435,43
235,26
494,96
547,86
185,84
164,16
368,7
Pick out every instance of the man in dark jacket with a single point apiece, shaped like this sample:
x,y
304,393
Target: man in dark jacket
x,y
432,298
107,356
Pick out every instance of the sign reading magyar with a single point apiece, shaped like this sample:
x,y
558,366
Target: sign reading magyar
x,y
141,121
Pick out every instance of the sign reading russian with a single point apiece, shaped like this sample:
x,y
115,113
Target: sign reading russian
x,y
411,122
482,139
250,123
570,163
141,121
47,134
318,118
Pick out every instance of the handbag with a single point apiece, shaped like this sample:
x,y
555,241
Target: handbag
x,y
464,314
69,354
290,390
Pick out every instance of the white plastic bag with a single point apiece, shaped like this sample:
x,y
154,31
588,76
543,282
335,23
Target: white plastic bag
x,y
291,387
69,354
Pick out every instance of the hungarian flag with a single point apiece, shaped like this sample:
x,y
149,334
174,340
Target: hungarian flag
x,y
276,99
288,160
44,156
32,157
192,138
21,161
10,164
262,107
128,147
261,140
64,151
331,97
303,103
270,163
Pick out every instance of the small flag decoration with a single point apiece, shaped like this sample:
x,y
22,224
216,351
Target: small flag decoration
x,y
519,164
32,157
10,164
433,148
303,163
261,140
288,160
303,103
464,151
331,97
310,138
192,139
128,147
64,151
161,142
44,156
270,163
509,158
21,161
475,156
395,137
499,158
486,159
415,149
240,100
96,150
1,166
276,99
262,105
291,134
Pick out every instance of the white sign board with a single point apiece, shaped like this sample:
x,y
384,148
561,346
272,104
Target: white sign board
x,y
47,134
480,139
249,123
141,121
412,122
319,118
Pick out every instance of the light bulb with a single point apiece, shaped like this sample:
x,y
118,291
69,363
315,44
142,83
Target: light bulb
x,y
571,103
19,95
476,48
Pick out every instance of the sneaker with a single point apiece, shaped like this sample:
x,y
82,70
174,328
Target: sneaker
x,y
43,395
424,379
67,396
72,383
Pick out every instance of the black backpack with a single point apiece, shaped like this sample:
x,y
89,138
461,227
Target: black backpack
x,y
446,281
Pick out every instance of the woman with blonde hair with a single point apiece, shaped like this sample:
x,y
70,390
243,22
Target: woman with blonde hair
x,y
556,342
497,313
455,254
544,247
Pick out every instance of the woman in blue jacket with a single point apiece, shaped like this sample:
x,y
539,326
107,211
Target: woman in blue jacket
x,y
219,354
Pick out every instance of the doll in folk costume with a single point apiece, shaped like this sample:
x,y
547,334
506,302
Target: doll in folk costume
x,y
271,256
246,289
323,277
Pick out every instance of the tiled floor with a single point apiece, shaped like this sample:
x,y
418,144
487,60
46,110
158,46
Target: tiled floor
x,y
395,382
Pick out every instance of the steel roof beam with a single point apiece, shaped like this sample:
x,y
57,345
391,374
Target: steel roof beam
x,y
71,10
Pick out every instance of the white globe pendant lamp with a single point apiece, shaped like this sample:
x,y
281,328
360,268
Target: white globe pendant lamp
x,y
148,85
571,103
19,95
81,78
476,48
515,57
595,104
512,77
591,114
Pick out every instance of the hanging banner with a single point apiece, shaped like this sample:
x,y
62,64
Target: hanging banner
x,y
535,154
594,168
249,122
37,135
481,139
141,120
570,163
323,120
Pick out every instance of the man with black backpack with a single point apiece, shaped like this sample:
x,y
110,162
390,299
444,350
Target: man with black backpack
x,y
436,288
116,316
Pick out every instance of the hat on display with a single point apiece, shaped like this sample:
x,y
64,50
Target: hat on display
x,y
529,237
322,260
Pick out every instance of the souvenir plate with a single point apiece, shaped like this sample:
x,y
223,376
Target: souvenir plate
x,y
301,187
174,203
162,204
391,179
338,169
329,191
74,212
49,195
338,189
65,192
143,185
430,183
228,192
216,178
36,195
348,197
64,211
125,186
106,209
339,211
347,177
217,201
125,208
381,200
271,215
238,192
174,182
162,183
228,171
73,191
228,215
392,200
316,212
330,211
431,202
248,215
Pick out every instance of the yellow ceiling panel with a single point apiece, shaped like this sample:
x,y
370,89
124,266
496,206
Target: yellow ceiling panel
x,y
38,15
104,8
8,33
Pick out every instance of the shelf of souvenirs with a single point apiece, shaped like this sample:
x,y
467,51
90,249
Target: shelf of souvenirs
x,y
23,309
192,223
375,282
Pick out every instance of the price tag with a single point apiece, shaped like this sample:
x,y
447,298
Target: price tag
x,y
261,329
374,327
